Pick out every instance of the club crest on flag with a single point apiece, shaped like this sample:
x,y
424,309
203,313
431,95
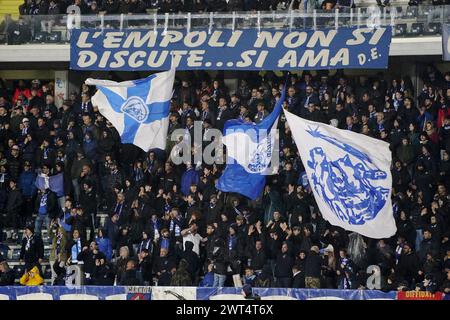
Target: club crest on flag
x,y
136,108
260,157
347,183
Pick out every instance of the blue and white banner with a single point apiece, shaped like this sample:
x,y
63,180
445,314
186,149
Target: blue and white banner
x,y
139,109
446,42
250,153
183,293
349,174
54,183
224,49
294,294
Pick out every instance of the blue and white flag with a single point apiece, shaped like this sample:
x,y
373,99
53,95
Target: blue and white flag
x,y
250,154
54,183
349,174
138,109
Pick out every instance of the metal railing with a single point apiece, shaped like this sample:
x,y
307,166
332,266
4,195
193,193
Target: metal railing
x,y
406,21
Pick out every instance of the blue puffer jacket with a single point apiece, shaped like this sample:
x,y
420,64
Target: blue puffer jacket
x,y
104,245
26,184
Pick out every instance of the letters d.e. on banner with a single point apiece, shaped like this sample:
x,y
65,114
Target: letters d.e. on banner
x,y
247,49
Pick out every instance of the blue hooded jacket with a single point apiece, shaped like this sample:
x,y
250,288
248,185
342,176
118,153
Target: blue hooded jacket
x,y
104,245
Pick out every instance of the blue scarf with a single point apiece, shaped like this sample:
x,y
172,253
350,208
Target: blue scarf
x,y
175,226
76,249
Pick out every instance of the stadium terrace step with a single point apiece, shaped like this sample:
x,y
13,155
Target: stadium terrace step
x,y
19,263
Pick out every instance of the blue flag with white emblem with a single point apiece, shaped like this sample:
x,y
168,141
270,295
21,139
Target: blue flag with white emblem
x,y
250,154
349,174
54,183
138,109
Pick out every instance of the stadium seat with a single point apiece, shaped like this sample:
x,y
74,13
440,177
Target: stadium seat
x,y
40,37
54,37
412,12
400,30
432,29
416,30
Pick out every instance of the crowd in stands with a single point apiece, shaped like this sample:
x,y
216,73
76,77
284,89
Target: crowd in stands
x,y
35,7
53,7
167,224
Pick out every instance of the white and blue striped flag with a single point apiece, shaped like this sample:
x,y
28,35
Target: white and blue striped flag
x,y
251,154
138,109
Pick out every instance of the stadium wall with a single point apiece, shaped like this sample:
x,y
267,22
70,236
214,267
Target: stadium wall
x,y
198,293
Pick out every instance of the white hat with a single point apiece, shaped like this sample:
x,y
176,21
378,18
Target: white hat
x,y
25,120
329,248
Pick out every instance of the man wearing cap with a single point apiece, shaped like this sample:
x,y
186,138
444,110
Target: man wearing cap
x,y
14,162
25,128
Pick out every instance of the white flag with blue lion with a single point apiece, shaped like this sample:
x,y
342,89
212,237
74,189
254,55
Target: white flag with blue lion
x,y
349,174
138,109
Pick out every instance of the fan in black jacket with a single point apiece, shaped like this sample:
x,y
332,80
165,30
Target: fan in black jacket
x,y
283,267
89,203
89,256
124,240
313,267
130,276
257,256
103,274
145,266
298,277
32,250
13,204
163,267
78,221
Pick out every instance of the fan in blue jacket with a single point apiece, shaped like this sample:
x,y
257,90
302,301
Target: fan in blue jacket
x,y
104,245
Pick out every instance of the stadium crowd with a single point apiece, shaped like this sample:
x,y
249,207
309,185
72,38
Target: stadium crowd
x,y
52,7
167,224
